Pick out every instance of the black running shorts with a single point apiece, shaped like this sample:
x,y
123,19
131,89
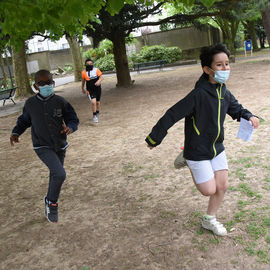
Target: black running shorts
x,y
93,90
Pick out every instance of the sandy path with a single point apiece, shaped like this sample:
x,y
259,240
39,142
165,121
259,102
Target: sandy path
x,y
123,206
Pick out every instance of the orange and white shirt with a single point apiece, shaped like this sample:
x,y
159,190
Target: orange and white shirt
x,y
95,73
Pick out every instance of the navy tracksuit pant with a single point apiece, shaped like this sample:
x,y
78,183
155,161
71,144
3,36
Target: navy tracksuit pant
x,y
55,162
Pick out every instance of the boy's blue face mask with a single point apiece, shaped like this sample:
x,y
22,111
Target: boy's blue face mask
x,y
221,76
46,90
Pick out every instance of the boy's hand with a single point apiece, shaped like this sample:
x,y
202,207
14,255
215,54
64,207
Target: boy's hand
x,y
14,139
66,130
149,146
83,91
255,121
98,83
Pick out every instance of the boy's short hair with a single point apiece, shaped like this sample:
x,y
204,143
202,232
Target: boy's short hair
x,y
42,72
88,59
207,53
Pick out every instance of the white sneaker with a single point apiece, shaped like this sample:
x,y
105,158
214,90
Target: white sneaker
x,y
180,161
213,225
95,119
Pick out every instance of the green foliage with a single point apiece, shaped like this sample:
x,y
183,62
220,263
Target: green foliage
x,y
68,67
174,53
105,47
20,19
103,55
94,54
2,83
131,39
157,52
105,63
188,3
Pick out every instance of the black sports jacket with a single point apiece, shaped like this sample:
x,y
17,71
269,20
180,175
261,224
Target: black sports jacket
x,y
46,116
204,109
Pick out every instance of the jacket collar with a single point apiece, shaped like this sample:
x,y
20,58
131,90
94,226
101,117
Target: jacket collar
x,y
40,97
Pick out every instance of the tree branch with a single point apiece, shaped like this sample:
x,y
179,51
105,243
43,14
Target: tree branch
x,y
178,18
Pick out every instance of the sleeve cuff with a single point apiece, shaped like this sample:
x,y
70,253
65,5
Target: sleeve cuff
x,y
150,141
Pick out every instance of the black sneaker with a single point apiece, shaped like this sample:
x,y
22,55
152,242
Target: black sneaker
x,y
51,211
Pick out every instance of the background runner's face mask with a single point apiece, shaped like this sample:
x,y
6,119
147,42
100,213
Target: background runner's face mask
x,y
89,67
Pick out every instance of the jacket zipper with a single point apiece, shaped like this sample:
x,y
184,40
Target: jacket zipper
x,y
219,107
194,125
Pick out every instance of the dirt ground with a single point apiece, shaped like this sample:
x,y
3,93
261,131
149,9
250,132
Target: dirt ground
x,y
123,206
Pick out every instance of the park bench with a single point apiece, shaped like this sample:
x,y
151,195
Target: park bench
x,y
8,94
148,65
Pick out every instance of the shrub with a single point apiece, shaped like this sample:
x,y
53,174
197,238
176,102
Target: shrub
x,y
105,47
157,52
152,53
94,54
2,84
174,54
68,67
105,63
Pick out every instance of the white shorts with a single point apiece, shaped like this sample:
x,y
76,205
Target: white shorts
x,y
203,170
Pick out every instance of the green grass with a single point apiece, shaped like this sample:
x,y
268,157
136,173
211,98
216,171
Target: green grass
x,y
266,222
255,230
131,168
167,214
240,216
243,160
250,249
244,188
241,204
230,224
267,179
200,232
240,173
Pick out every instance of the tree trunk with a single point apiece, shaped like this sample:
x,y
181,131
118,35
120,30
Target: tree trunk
x,y
96,42
8,64
76,56
266,22
252,34
121,62
2,65
20,72
229,30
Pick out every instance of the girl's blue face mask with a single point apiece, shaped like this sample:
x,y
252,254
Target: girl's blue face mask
x,y
221,76
46,90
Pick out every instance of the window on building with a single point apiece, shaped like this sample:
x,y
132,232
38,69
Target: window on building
x,y
65,46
